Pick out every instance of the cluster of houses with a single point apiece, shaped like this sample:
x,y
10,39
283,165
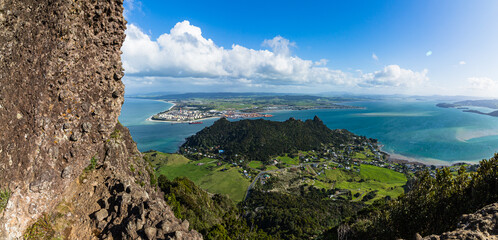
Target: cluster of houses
x,y
180,115
345,157
246,174
237,115
265,178
352,164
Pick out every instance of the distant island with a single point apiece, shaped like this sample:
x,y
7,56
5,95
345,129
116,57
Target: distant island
x,y
199,107
463,105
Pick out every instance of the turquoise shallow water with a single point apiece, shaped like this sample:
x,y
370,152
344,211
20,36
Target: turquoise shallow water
x,y
415,129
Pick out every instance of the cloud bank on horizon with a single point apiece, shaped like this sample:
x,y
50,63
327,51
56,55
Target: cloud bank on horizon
x,y
184,54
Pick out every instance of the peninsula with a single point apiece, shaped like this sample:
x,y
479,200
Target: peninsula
x,y
464,106
234,106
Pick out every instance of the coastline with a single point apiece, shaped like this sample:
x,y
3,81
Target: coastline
x,y
174,104
392,157
403,159
346,107
172,122
398,158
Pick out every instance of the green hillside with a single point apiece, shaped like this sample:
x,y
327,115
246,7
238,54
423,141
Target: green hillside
x,y
206,173
261,139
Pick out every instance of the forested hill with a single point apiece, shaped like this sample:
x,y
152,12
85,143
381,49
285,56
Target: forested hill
x,y
261,139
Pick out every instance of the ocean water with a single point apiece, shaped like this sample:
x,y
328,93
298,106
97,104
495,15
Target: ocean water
x,y
417,130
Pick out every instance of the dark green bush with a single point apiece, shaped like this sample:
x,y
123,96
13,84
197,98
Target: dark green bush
x,y
4,199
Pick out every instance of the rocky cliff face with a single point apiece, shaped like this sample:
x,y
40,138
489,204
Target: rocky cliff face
x,y
114,199
482,225
60,97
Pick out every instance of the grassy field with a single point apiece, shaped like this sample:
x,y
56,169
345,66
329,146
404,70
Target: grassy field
x,y
190,169
271,167
359,155
230,182
370,178
226,105
157,158
337,175
288,160
245,102
382,174
255,164
228,179
204,173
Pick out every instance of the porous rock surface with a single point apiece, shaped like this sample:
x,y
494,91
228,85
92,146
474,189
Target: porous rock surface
x,y
481,225
60,97
115,200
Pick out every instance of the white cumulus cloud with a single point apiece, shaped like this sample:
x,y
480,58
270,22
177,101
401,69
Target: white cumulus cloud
x,y
321,62
279,45
184,54
395,76
462,63
482,83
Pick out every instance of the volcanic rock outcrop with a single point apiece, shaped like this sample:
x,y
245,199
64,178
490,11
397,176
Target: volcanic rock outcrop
x,y
60,98
481,225
114,199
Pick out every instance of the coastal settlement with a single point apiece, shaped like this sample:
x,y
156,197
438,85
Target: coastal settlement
x,y
193,111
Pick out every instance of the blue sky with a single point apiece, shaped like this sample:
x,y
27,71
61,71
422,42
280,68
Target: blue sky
x,y
312,46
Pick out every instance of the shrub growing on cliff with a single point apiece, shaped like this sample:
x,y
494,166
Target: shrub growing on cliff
x,y
116,134
41,229
4,199
92,165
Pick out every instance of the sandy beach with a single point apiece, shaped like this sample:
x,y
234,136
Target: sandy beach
x,y
174,104
398,158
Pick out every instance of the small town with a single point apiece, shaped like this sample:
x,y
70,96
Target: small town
x,y
181,115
